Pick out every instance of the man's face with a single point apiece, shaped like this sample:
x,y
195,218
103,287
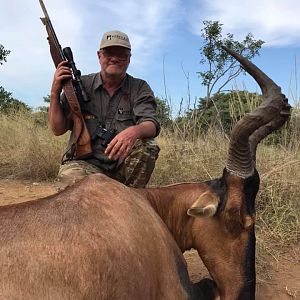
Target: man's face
x,y
114,61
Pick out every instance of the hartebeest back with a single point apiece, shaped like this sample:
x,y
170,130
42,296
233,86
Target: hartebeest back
x,y
101,240
96,240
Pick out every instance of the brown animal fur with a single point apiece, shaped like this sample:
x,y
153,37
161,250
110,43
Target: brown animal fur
x,y
220,243
96,240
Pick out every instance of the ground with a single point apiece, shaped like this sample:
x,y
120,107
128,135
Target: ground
x,y
283,280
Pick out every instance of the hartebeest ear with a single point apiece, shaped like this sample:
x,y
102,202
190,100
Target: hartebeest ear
x,y
205,206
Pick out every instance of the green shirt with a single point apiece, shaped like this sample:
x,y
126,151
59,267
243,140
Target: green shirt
x,y
132,103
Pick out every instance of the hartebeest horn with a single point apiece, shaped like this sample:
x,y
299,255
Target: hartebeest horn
x,y
259,134
266,84
240,159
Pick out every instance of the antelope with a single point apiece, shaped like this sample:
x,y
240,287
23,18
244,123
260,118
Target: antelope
x,y
99,239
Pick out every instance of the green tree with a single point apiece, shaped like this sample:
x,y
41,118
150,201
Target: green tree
x,y
9,104
225,108
222,68
45,108
163,112
41,114
3,54
47,99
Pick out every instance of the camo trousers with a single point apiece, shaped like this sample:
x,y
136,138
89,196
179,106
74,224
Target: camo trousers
x,y
135,171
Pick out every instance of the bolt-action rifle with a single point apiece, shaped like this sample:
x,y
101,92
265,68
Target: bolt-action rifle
x,y
73,89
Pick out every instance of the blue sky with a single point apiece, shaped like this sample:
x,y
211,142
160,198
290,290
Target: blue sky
x,y
165,34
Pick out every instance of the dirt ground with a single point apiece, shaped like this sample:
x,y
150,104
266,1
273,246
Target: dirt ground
x,y
284,274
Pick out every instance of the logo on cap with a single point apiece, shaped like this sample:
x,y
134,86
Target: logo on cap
x,y
115,38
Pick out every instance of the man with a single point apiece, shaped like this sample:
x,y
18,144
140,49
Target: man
x,y
118,103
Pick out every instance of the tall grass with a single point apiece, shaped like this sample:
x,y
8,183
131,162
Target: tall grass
x,y
28,149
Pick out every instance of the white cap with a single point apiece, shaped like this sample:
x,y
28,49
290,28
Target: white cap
x,y
115,38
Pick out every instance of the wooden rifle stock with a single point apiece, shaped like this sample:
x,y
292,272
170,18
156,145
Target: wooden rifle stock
x,y
81,137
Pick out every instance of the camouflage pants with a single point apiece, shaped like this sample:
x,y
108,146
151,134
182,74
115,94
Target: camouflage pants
x,y
135,171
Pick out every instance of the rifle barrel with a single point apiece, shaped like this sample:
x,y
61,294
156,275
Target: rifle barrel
x,y
47,22
44,9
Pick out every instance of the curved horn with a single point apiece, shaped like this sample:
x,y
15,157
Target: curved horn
x,y
260,77
259,134
240,159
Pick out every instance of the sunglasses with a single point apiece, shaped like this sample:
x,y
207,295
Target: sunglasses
x,y
109,54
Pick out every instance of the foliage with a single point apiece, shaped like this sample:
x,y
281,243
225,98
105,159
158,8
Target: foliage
x,y
9,104
47,99
222,68
222,112
3,54
45,108
230,107
163,112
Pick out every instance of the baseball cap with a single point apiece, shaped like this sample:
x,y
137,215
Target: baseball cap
x,y
115,38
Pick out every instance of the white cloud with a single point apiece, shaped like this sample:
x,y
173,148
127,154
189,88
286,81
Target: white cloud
x,y
147,23
152,26
274,21
29,68
79,24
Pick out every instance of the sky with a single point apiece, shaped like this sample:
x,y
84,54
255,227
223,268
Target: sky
x,y
165,37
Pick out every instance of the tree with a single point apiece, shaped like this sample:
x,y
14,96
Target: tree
x,y
163,112
41,114
3,54
45,108
231,106
222,68
9,104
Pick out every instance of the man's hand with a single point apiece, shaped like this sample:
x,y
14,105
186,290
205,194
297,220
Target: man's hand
x,y
62,73
57,119
122,143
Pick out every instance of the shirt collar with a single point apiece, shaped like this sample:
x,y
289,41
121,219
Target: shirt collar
x,y
98,82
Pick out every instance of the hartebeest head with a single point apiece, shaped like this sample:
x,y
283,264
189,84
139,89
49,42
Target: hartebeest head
x,y
235,197
232,198
225,238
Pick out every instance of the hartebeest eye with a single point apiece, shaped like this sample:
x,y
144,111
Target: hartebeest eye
x,y
205,206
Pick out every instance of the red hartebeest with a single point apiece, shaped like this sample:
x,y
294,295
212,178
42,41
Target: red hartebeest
x,y
102,240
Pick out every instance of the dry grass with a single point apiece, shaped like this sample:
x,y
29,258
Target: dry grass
x,y
183,160
28,150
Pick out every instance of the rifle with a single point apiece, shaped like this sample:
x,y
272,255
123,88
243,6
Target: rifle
x,y
73,89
